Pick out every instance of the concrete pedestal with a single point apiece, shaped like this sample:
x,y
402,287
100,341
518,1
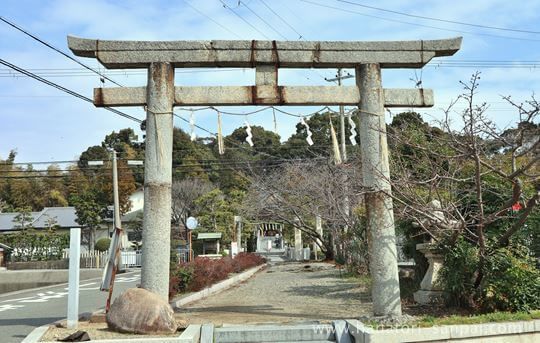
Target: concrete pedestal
x,y
430,291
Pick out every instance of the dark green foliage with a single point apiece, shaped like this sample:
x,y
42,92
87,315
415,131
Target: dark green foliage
x,y
88,211
319,125
102,244
458,273
511,281
29,245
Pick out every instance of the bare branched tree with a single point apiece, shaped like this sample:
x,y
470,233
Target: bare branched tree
x,y
184,195
483,179
298,192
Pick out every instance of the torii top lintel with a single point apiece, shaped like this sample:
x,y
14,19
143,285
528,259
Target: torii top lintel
x,y
245,54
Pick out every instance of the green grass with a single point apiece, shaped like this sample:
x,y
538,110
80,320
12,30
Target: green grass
x,y
428,321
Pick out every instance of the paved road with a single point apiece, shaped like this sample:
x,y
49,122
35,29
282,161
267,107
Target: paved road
x,y
22,311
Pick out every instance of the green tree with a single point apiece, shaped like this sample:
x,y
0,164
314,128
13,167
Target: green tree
x,y
89,216
215,213
24,218
190,158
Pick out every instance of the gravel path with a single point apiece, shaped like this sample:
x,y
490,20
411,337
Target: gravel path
x,y
288,292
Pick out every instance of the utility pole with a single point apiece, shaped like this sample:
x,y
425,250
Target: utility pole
x,y
116,198
346,207
338,78
115,258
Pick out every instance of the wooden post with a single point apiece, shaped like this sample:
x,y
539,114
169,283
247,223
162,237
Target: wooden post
x,y
376,178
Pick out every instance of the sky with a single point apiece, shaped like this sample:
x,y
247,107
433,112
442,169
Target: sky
x,y
44,124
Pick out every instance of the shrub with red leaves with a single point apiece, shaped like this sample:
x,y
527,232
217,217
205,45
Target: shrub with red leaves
x,y
245,260
203,272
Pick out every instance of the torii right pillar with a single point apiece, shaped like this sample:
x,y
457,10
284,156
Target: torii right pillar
x,y
376,178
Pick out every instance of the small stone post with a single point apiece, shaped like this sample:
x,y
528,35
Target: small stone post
x,y
73,281
376,176
238,226
158,179
298,246
319,230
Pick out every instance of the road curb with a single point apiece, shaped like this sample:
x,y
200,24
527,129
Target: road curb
x,y
191,334
97,278
36,334
217,288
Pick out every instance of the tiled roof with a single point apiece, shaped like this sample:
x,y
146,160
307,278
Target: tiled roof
x,y
65,217
209,235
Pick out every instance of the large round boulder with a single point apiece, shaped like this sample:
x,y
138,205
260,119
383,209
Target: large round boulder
x,y
140,311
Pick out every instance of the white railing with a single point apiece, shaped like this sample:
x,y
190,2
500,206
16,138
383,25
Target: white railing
x,y
132,258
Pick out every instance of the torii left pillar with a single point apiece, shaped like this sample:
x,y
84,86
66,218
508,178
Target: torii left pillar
x,y
156,233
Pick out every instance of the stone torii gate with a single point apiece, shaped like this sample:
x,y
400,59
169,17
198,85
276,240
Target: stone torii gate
x,y
160,96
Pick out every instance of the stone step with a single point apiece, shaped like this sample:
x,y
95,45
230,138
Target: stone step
x,y
272,253
275,333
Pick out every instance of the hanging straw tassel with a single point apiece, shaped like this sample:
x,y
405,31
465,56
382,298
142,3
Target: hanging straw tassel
x,y
308,131
221,146
249,137
193,136
353,135
335,144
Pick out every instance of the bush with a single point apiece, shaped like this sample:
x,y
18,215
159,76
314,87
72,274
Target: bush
x,y
510,282
30,245
203,272
102,244
458,274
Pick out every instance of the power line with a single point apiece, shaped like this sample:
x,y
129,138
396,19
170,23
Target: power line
x,y
78,72
55,49
210,18
300,36
181,168
416,24
262,19
281,18
242,18
437,19
213,163
66,90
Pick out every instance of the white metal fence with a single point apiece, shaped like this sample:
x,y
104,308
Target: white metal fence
x,y
132,258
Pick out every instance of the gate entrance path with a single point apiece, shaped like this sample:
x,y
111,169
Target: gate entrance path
x,y
284,293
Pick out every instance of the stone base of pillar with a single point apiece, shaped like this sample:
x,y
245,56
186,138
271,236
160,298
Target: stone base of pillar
x,y
424,297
